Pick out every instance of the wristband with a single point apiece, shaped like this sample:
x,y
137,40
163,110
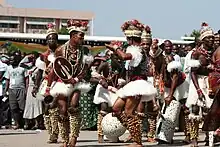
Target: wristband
x,y
199,91
76,79
47,89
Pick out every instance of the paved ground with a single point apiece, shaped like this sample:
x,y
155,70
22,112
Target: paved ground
x,y
19,138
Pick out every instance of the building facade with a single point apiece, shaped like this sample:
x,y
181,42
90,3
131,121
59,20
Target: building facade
x,y
26,20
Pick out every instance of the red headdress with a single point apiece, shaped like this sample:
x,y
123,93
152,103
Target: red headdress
x,y
77,25
132,28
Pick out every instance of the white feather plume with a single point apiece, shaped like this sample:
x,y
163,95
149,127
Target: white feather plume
x,y
194,63
40,64
88,59
135,51
174,65
51,58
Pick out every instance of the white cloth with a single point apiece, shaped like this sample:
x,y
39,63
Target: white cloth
x,y
33,106
180,92
177,58
193,98
103,95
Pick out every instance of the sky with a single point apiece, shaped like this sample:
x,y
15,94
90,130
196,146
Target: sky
x,y
168,19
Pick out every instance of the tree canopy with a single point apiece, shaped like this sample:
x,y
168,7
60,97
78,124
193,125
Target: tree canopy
x,y
195,33
63,31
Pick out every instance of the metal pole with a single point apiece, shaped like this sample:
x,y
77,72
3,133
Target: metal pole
x,y
92,27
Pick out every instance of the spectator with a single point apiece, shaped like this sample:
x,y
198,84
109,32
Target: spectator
x,y
16,87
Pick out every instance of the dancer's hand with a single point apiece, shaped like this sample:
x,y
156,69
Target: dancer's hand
x,y
70,81
47,92
201,95
104,83
168,99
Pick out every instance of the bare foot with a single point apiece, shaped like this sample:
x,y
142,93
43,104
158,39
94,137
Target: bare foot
x,y
135,145
152,140
72,142
129,139
194,143
64,145
100,139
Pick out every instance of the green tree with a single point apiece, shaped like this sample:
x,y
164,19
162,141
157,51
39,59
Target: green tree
x,y
63,31
195,33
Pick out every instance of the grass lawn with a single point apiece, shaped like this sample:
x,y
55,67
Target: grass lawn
x,y
41,48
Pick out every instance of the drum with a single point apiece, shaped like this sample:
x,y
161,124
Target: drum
x,y
112,127
63,68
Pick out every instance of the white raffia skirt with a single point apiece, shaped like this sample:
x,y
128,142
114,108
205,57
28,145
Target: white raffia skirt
x,y
103,95
193,98
141,88
60,88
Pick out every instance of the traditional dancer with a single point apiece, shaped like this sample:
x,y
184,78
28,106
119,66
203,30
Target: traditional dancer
x,y
152,107
107,74
77,55
137,89
44,65
156,70
174,91
198,100
212,121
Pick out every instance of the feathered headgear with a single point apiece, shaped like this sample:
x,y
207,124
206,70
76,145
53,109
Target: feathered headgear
x,y
205,31
77,25
51,29
146,33
132,28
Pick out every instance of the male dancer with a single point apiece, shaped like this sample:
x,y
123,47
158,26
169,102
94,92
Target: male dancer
x,y
152,107
174,91
198,100
156,70
107,75
70,91
137,88
44,65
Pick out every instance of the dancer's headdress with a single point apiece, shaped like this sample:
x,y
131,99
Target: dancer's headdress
x,y
77,25
51,29
146,33
132,28
205,31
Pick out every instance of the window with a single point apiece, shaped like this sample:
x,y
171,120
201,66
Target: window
x,y
7,25
9,18
36,27
40,19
